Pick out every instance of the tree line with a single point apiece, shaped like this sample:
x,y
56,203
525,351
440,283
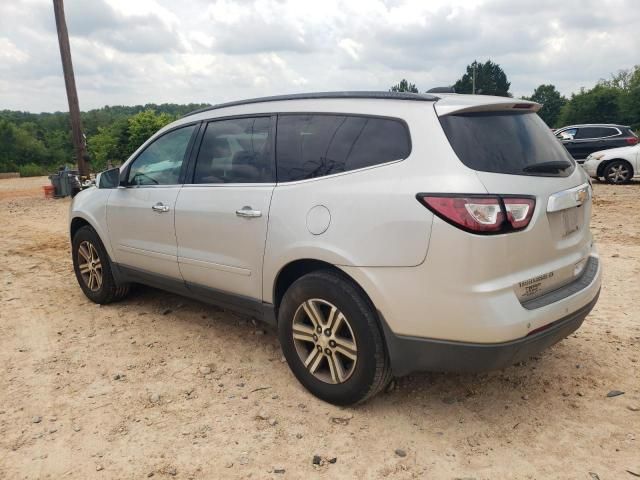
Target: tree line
x,y
37,144
613,100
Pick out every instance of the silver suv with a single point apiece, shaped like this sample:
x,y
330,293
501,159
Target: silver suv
x,y
381,233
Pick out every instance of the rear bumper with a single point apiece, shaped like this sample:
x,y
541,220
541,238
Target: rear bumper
x,y
412,354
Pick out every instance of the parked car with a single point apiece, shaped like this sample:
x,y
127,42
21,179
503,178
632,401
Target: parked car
x,y
381,233
583,140
618,165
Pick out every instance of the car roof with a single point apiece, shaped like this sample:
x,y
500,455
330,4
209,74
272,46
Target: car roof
x,y
447,102
595,125
420,97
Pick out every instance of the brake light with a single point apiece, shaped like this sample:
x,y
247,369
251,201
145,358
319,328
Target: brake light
x,y
482,214
632,140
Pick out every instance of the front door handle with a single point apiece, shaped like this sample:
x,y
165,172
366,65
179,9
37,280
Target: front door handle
x,y
160,208
248,212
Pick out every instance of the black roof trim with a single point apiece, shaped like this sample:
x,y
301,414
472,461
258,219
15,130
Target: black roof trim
x,y
420,97
450,89
579,125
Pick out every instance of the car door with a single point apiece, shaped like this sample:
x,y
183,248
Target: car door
x,y
222,210
567,137
586,141
140,214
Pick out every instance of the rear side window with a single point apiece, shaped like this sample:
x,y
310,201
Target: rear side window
x,y
608,132
310,146
236,150
589,132
504,142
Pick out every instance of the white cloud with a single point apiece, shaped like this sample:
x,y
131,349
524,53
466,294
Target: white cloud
x,y
138,51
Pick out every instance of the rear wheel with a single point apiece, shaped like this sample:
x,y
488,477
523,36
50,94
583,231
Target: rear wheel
x,y
331,339
618,172
93,268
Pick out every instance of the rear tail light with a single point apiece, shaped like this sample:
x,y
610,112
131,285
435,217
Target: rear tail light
x,y
632,140
482,214
519,211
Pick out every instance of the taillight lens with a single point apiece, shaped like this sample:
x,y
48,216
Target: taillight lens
x,y
519,211
483,214
632,140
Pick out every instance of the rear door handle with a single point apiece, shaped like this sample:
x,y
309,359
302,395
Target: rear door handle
x,y
248,212
160,208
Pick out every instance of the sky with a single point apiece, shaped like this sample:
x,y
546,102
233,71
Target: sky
x,y
129,52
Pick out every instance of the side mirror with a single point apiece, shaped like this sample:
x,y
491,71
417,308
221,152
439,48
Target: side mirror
x,y
109,178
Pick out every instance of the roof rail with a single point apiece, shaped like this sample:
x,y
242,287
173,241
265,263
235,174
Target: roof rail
x,y
420,97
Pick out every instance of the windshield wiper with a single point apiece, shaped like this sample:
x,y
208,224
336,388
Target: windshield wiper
x,y
548,167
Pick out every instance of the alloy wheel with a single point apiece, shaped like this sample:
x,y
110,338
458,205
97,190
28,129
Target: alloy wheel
x,y
324,341
90,266
618,173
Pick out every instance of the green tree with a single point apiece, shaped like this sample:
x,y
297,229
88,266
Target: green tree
x,y
630,99
552,102
601,104
490,79
32,143
404,86
110,145
144,124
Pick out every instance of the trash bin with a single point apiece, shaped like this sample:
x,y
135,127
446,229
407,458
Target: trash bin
x,y
65,182
55,181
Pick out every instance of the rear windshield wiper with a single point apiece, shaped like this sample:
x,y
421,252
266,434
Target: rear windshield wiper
x,y
548,167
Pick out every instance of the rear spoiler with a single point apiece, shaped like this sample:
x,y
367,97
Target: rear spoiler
x,y
456,104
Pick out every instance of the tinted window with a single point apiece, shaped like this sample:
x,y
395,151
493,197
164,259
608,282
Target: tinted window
x,y
235,151
588,132
607,132
502,142
161,161
310,146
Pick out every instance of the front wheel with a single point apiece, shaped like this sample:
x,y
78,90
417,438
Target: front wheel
x,y
93,268
618,172
331,339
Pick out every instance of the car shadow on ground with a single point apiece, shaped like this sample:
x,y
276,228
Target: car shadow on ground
x,y
551,375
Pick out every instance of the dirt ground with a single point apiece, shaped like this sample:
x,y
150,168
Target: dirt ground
x,y
163,387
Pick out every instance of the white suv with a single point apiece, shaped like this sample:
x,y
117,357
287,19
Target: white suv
x,y
381,233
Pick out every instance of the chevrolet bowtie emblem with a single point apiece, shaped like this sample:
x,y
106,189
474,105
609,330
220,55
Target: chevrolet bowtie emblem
x,y
581,195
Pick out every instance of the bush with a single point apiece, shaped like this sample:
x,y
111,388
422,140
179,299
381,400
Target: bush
x,y
33,170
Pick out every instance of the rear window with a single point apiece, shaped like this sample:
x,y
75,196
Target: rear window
x,y
315,145
505,142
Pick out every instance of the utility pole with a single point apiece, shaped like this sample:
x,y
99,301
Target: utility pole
x,y
70,84
473,88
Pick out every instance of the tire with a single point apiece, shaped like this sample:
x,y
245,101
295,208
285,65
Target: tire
x,y
338,377
97,282
618,172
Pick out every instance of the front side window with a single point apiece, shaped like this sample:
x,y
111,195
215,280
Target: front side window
x,y
568,134
235,151
160,163
310,146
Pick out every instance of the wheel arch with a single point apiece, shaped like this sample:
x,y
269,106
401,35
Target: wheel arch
x,y
295,269
603,165
76,224
79,220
